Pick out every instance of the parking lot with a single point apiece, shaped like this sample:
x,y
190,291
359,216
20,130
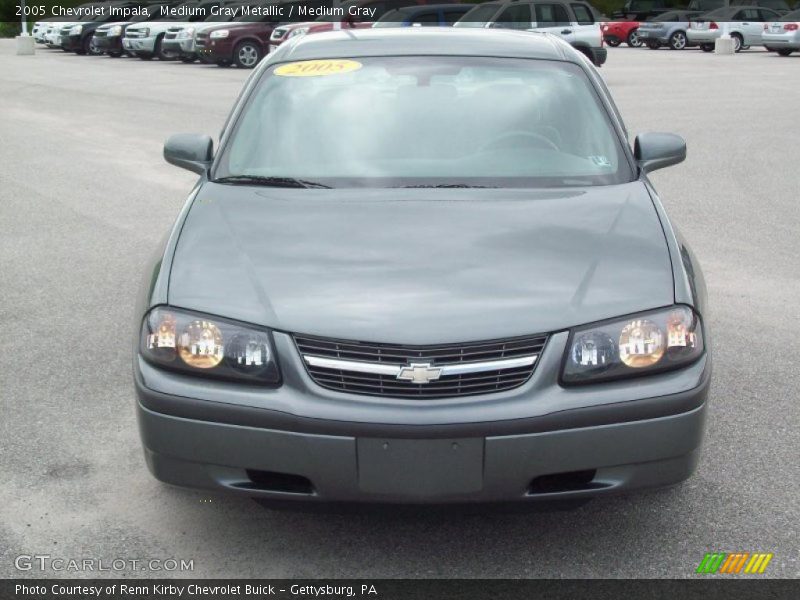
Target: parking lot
x,y
86,197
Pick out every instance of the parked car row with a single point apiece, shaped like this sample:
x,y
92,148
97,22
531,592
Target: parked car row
x,y
201,30
748,25
232,32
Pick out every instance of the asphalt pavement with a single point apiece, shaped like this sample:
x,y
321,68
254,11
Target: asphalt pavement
x,y
85,197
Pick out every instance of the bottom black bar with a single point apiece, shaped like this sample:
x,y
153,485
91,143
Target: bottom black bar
x,y
707,588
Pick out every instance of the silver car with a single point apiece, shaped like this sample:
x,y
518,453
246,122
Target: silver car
x,y
744,24
783,36
668,29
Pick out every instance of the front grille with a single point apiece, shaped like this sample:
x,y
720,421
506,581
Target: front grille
x,y
100,34
465,384
134,33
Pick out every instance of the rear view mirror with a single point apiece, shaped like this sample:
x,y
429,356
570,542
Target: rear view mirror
x,y
191,151
658,150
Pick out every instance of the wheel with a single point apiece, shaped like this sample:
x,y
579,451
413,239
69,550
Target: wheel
x,y
737,42
91,49
677,41
707,47
159,52
634,41
613,42
784,51
247,54
653,45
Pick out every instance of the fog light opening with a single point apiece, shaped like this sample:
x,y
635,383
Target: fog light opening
x,y
572,481
269,481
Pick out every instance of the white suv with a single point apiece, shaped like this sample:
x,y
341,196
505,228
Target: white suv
x,y
574,22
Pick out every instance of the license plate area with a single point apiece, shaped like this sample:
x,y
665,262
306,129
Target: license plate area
x,y
421,468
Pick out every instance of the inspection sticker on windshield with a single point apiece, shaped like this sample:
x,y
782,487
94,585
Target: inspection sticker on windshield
x,y
316,68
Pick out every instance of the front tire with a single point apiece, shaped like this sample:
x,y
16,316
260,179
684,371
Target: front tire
x,y
159,51
677,41
247,54
613,42
634,41
784,51
738,42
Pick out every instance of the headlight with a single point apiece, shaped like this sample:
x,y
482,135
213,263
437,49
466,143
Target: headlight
x,y
76,30
298,31
144,32
115,30
641,344
203,345
220,33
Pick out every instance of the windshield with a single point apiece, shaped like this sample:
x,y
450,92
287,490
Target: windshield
x,y
478,16
389,19
705,5
426,121
792,16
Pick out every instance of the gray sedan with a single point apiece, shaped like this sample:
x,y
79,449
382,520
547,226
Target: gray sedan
x,y
423,279
668,29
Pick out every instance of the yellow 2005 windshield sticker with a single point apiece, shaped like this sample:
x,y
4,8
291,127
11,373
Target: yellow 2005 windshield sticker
x,y
316,68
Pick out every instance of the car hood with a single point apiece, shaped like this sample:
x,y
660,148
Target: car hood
x,y
421,265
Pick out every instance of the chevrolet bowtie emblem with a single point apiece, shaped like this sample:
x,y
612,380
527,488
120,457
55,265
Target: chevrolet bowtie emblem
x,y
419,373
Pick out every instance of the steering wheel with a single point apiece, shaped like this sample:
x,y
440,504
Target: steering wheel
x,y
514,137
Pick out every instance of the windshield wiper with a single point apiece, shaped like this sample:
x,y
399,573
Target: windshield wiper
x,y
270,181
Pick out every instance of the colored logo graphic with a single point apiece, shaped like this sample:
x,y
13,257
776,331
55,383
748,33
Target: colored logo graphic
x,y
734,562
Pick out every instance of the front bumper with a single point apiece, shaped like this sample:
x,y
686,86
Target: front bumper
x,y
108,43
537,442
71,43
182,47
144,45
218,49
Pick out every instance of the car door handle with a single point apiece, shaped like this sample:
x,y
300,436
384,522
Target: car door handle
x,y
566,31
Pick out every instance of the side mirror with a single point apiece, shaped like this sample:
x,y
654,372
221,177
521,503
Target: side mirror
x,y
191,151
658,150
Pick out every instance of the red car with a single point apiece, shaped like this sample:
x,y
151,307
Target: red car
x,y
243,44
616,32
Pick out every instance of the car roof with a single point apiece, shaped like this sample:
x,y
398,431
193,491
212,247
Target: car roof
x,y
426,7
409,41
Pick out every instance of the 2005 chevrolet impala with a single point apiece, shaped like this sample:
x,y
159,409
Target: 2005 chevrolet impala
x,y
423,266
